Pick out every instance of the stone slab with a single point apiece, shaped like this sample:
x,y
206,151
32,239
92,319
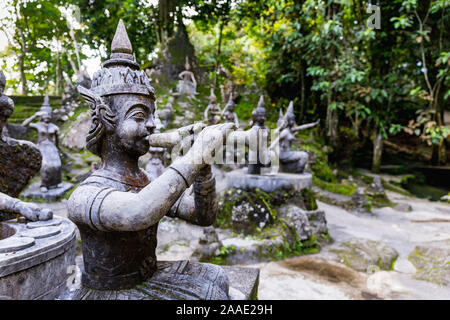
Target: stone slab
x,y
34,192
39,224
39,233
239,179
246,280
13,244
39,271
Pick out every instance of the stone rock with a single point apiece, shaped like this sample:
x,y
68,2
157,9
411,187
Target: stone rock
x,y
317,222
297,219
209,245
359,201
432,262
366,255
404,207
376,187
19,162
34,192
75,138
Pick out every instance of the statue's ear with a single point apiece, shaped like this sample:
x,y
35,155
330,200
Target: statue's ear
x,y
100,111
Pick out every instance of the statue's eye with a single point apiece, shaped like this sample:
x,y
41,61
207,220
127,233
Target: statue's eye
x,y
139,115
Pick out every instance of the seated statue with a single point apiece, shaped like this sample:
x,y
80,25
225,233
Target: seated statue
x,y
48,145
212,113
187,83
117,208
291,161
19,161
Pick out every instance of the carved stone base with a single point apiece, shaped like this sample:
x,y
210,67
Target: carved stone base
x,y
243,285
35,257
34,192
239,179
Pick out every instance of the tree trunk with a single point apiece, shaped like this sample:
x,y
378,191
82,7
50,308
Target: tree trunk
x,y
332,125
58,74
377,150
219,48
23,79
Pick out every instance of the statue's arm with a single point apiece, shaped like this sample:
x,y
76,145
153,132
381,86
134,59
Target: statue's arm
x,y
28,122
205,115
201,208
27,209
236,120
306,126
107,209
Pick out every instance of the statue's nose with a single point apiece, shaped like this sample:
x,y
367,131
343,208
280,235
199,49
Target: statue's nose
x,y
150,124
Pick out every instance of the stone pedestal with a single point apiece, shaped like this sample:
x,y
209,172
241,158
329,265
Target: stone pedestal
x,y
34,192
35,257
239,179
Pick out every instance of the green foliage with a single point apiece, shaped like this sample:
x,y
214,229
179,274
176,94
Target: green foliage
x,y
339,188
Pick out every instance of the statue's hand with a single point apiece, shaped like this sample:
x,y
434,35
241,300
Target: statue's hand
x,y
32,212
208,141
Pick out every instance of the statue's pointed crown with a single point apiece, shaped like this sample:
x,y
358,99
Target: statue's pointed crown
x,y
260,107
46,104
120,73
212,95
290,109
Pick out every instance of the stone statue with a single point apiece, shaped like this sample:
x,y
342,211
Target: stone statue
x,y
291,161
187,83
230,115
117,208
226,90
212,112
19,161
48,145
84,79
262,134
166,114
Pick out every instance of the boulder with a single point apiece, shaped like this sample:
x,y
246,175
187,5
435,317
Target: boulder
x,y
297,219
366,255
432,262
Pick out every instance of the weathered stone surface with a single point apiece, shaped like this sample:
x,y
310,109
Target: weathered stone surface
x,y
432,262
34,192
19,162
38,271
209,245
238,179
246,280
297,219
39,224
366,255
317,222
13,244
75,137
359,201
39,233
404,207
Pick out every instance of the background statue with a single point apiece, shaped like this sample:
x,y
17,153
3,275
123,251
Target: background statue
x,y
117,208
291,161
229,114
261,134
212,113
19,161
166,114
48,145
187,83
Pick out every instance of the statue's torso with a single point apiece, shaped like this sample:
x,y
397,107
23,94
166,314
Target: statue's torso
x,y
46,132
116,259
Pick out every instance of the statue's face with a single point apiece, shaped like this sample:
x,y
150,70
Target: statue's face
x,y
135,122
291,120
46,117
260,118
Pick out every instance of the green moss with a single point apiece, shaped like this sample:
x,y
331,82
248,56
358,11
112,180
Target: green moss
x,y
339,188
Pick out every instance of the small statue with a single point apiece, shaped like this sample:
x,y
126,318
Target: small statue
x,y
212,113
230,115
15,173
166,114
291,161
226,89
117,209
261,133
84,79
48,145
187,83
